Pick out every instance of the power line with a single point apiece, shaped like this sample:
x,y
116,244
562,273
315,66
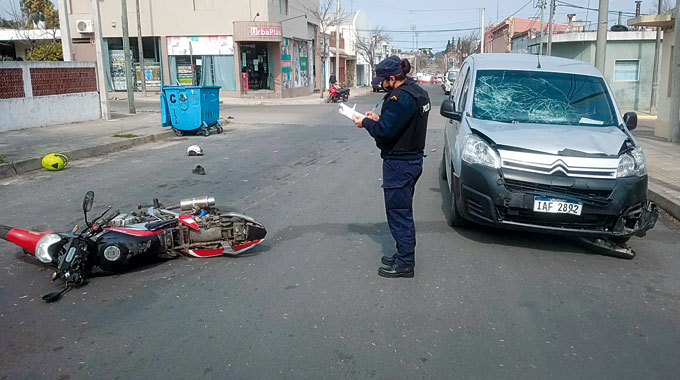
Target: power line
x,y
423,31
565,4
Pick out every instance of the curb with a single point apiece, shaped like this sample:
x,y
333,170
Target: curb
x,y
664,202
27,165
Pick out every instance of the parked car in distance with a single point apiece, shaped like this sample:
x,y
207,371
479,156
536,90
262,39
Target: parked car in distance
x,y
448,81
425,78
542,148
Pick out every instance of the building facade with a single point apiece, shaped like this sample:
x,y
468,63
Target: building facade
x,y
498,37
628,65
662,124
354,70
254,48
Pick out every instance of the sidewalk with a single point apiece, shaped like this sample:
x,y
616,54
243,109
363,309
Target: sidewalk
x,y
22,151
120,98
663,164
25,148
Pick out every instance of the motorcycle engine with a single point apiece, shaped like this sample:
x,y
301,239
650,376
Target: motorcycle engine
x,y
123,220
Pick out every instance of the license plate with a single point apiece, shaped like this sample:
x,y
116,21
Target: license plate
x,y
557,206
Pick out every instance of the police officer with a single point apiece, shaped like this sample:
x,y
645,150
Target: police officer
x,y
399,132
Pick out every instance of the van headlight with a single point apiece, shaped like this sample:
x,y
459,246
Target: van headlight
x,y
477,151
42,248
632,164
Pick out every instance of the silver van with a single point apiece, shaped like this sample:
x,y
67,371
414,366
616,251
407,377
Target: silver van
x,y
538,144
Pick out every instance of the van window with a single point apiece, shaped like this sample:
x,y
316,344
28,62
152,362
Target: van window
x,y
464,92
515,96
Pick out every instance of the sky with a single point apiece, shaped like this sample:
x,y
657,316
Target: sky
x,y
449,15
440,20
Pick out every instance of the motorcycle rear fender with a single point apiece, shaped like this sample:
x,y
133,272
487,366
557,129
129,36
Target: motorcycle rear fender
x,y
23,238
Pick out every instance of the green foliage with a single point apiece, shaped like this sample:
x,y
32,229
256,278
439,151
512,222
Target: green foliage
x,y
9,24
39,10
46,52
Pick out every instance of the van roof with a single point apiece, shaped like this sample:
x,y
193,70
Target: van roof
x,y
529,62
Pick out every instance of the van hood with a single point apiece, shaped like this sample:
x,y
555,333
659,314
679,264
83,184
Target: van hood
x,y
563,140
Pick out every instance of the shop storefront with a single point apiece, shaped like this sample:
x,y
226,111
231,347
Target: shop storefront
x,y
202,61
271,65
114,60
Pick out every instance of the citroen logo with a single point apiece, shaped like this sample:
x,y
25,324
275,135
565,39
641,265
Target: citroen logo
x,y
559,165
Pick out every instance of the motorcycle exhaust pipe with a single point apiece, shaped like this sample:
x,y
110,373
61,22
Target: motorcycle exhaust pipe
x,y
195,203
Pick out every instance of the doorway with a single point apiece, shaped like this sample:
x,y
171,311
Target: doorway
x,y
255,63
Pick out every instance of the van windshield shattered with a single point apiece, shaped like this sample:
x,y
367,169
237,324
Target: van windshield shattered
x,y
515,96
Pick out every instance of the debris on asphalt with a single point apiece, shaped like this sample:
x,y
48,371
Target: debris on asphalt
x,y
195,150
198,170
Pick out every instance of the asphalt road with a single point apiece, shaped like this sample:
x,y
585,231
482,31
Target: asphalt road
x,y
308,303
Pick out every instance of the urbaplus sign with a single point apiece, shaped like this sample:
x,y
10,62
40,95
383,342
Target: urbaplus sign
x,y
274,31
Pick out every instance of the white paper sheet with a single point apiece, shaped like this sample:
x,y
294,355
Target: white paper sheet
x,y
348,112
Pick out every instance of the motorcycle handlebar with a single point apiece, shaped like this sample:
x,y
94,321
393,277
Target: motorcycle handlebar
x,y
106,219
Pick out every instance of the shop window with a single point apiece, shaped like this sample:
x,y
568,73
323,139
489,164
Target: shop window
x,y
283,7
627,70
203,5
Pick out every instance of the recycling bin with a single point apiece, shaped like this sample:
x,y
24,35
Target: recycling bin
x,y
191,109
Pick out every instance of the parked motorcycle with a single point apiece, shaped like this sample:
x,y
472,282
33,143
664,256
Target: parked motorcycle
x,y
117,242
336,94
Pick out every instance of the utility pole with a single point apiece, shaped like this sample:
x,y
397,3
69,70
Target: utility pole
x,y
101,75
337,44
601,44
481,28
128,57
655,69
140,45
674,132
415,52
540,45
65,29
550,27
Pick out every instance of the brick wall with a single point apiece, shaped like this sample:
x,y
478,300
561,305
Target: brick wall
x,y
55,81
11,84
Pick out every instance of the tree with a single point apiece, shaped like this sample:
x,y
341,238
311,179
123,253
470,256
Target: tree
x,y
37,12
666,6
34,22
327,17
370,44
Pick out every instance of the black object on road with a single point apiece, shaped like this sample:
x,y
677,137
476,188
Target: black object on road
x,y
198,170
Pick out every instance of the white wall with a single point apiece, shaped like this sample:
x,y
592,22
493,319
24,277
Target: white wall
x,y
22,113
663,101
39,111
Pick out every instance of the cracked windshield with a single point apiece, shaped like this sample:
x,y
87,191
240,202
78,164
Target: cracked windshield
x,y
512,96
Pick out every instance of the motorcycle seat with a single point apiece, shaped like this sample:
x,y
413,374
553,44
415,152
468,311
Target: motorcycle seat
x,y
154,226
343,90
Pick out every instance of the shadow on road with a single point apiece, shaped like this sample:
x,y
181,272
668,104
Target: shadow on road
x,y
512,238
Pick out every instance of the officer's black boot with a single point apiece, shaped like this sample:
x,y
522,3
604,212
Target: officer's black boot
x,y
394,270
388,260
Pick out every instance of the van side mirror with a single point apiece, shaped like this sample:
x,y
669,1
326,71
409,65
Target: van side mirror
x,y
630,118
448,110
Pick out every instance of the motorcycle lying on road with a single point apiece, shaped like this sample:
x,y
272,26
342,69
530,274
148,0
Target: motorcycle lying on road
x,y
117,242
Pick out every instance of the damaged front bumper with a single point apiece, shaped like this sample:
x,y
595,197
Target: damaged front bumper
x,y
611,208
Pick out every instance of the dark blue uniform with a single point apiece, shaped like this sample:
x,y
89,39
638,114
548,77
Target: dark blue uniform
x,y
400,135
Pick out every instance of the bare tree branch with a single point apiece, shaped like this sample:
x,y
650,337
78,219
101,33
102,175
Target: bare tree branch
x,y
370,44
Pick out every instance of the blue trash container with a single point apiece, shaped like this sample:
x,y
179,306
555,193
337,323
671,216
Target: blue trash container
x,y
190,108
